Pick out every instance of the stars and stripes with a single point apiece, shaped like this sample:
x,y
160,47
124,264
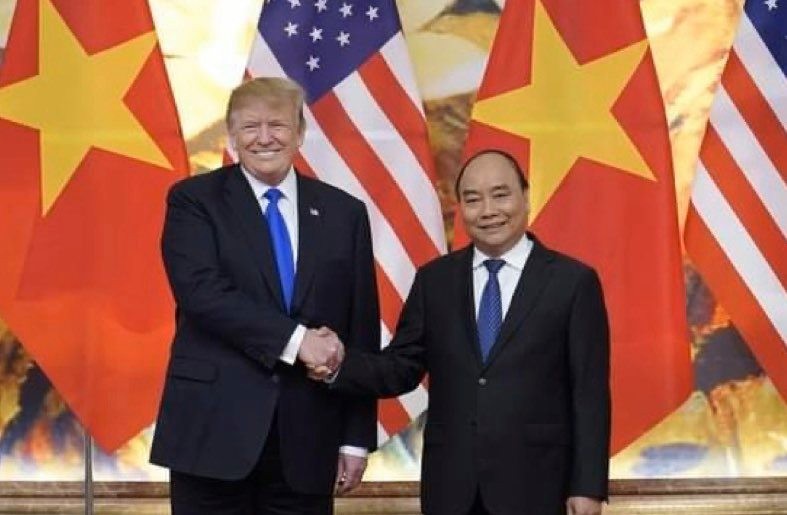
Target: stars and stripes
x,y
736,230
366,134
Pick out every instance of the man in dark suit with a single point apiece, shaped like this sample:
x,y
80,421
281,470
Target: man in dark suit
x,y
514,337
258,256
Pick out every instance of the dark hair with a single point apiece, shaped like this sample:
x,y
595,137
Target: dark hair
x,y
520,174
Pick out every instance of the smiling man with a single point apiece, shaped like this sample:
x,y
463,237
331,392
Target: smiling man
x,y
259,256
514,337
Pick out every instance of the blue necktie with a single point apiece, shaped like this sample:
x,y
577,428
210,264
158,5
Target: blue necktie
x,y
282,247
490,310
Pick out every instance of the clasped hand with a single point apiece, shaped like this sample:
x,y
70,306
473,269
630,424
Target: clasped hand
x,y
322,352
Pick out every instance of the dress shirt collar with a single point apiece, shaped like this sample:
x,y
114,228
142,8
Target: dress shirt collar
x,y
516,256
288,186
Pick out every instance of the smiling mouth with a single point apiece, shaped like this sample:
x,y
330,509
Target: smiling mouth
x,y
492,227
265,153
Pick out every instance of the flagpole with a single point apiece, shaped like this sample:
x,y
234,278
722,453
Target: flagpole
x,y
88,474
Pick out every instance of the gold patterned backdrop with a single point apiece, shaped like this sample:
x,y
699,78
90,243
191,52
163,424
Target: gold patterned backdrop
x,y
734,424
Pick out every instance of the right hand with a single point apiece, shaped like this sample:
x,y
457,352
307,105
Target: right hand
x,y
321,351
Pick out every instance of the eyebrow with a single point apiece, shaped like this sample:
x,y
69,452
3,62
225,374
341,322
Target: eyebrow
x,y
496,187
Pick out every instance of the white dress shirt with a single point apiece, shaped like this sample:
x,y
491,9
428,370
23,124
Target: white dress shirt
x,y
508,275
288,206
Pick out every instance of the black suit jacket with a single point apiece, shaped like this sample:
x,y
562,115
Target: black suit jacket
x,y
530,426
225,381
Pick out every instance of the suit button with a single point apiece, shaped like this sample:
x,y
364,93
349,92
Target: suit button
x,y
275,378
482,381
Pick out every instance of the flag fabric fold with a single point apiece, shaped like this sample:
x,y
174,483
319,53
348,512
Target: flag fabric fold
x,y
570,91
89,144
366,134
736,228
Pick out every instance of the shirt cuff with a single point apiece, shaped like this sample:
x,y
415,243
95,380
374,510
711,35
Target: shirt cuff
x,y
351,450
290,352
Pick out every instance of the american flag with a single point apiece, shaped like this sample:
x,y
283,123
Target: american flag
x,y
736,230
366,134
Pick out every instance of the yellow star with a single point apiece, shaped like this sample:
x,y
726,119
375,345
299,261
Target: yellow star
x,y
76,102
566,111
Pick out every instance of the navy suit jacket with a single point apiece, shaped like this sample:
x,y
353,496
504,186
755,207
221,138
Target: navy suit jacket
x,y
225,381
530,425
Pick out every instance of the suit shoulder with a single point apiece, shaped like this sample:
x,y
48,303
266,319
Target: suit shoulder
x,y
331,194
445,263
201,183
570,265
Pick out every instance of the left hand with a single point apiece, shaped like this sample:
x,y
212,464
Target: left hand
x,y
349,474
583,506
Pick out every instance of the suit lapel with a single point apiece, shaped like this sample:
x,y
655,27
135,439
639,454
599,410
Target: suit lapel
x,y
467,301
309,231
240,199
534,277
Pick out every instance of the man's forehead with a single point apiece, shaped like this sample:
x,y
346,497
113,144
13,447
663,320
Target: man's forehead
x,y
492,172
261,111
255,114
477,186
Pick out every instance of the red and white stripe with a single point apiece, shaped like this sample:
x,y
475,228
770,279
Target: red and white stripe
x,y
368,137
736,230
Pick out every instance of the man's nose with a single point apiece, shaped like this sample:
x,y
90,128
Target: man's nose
x,y
488,207
264,133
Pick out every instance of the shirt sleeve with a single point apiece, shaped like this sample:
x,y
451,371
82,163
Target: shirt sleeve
x,y
290,352
351,450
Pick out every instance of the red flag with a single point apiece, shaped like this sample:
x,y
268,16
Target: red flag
x,y
736,230
570,90
89,143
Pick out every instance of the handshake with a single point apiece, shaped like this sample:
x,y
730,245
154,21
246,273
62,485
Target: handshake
x,y
322,352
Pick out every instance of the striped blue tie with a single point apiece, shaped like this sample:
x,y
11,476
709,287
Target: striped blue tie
x,y
282,247
490,310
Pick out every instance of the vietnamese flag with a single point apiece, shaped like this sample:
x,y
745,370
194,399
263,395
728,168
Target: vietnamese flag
x,y
89,144
570,90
